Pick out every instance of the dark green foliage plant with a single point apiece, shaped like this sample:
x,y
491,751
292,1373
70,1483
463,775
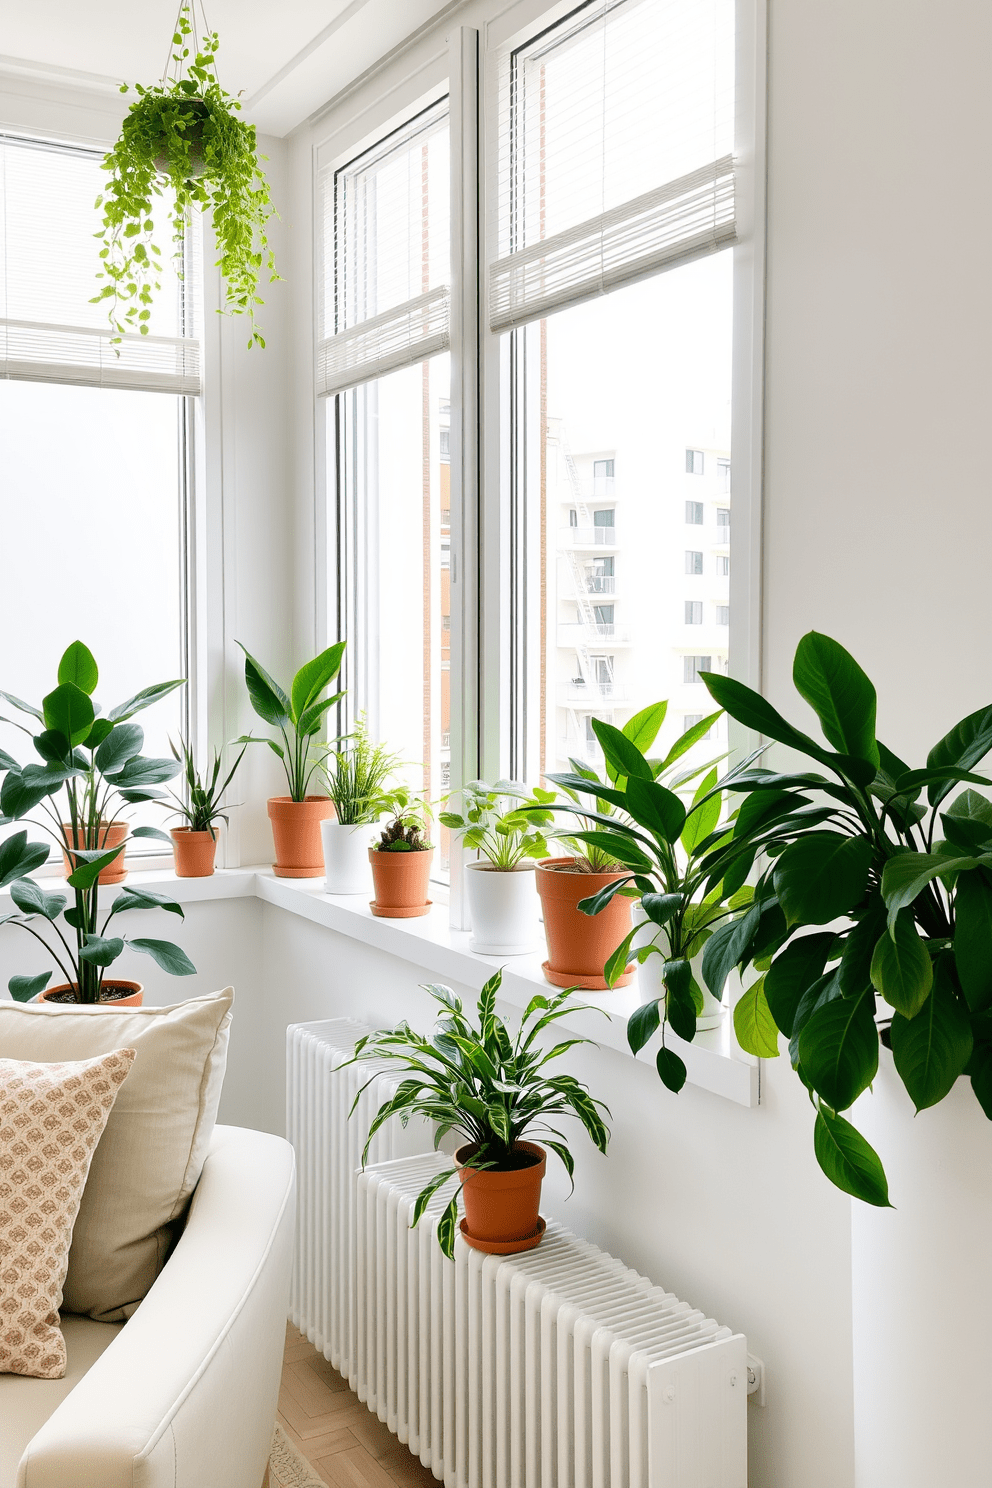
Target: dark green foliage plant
x,y
200,804
183,136
297,714
477,1080
872,907
94,763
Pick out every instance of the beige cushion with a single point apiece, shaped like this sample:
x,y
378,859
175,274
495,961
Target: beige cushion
x,y
51,1118
152,1151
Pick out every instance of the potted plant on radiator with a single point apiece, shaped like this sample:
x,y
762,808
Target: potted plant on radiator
x,y
490,1088
299,715
401,863
500,885
357,779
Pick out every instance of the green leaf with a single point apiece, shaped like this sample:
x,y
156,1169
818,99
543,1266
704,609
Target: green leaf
x,y
616,964
971,805
859,947
643,728
901,969
703,815
123,743
133,898
906,876
659,908
22,706
144,699
839,693
791,974
18,856
622,757
753,1023
691,736
726,947
973,938
850,1163
24,988
100,950
680,1008
825,989
838,1049
137,773
642,1025
932,1049
101,728
656,808
822,876
447,1228
69,711
90,867
30,899
596,903
78,666
21,793
754,712
310,718
266,696
165,954
153,832
621,848
671,1069
968,742
981,1077
50,744
313,677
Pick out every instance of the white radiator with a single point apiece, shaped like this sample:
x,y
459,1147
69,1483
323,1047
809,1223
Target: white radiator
x,y
555,1368
319,1095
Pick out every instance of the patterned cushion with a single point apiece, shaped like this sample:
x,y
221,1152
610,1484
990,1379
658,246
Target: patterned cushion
x,y
51,1118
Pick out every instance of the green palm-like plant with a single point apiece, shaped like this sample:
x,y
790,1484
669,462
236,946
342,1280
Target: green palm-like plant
x,y
297,714
200,804
475,1079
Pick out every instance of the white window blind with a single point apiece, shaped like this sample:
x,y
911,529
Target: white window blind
x,y
49,331
616,131
384,292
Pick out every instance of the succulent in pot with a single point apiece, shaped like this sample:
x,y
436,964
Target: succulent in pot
x,y
95,763
401,863
183,135
494,1090
358,783
299,715
499,887
195,844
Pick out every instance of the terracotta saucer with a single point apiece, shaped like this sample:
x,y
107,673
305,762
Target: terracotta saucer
x,y
407,912
505,1247
586,983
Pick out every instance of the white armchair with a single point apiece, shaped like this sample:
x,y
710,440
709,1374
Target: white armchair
x,y
184,1394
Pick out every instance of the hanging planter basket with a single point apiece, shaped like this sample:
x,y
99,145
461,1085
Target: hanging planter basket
x,y
183,138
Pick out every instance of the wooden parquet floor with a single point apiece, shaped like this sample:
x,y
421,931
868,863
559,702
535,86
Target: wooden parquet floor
x,y
341,1439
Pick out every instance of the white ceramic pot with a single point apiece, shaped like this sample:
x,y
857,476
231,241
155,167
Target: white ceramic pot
x,y
649,974
346,857
502,907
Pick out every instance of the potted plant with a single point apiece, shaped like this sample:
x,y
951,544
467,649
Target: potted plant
x,y
357,780
891,878
500,886
183,135
299,717
97,762
491,1089
401,864
195,845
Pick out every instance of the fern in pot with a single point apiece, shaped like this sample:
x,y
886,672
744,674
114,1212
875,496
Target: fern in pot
x,y
499,886
182,139
358,780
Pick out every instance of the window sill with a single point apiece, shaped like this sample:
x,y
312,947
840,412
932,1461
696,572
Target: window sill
x,y
713,1060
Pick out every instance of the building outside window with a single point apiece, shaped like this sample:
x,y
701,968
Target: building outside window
x,y
723,614
723,477
723,566
693,562
694,612
693,462
693,665
694,513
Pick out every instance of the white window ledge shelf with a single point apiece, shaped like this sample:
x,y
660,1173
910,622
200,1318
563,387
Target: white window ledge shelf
x,y
713,1061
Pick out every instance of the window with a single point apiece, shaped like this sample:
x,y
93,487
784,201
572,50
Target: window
x,y
604,618
94,444
693,665
693,562
722,566
694,612
606,518
693,462
723,477
723,516
694,513
723,614
445,435
602,469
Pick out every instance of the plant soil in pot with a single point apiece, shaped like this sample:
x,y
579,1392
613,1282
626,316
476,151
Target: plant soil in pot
x,y
296,835
503,909
346,856
401,881
112,834
113,994
579,945
194,852
501,1204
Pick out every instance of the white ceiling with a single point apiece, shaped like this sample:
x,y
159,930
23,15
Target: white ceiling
x,y
285,60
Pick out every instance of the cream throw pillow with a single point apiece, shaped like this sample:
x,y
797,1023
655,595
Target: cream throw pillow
x,y
51,1118
148,1163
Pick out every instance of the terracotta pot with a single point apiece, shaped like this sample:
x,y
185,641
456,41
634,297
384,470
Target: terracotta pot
x,y
501,1207
579,945
131,998
194,852
401,880
111,834
296,834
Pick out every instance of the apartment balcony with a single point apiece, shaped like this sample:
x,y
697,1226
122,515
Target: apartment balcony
x,y
587,537
601,584
592,694
722,537
580,634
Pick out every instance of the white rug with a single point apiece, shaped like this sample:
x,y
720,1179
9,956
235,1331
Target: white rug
x,y
288,1468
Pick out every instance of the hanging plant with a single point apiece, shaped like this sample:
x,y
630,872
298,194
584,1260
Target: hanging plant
x,y
184,135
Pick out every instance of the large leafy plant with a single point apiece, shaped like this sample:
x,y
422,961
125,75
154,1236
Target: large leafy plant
x,y
473,1078
877,903
92,765
493,823
183,134
297,714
